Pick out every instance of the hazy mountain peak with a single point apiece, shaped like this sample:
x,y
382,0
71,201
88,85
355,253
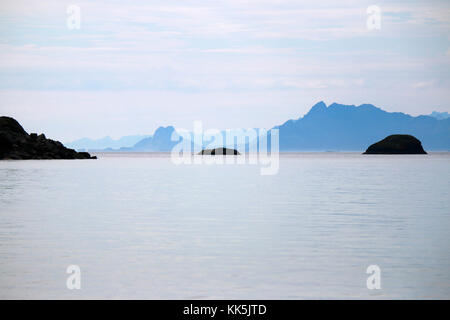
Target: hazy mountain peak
x,y
105,142
160,141
336,105
368,106
350,127
319,106
439,115
162,132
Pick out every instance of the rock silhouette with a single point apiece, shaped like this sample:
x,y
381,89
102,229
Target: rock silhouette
x,y
17,144
397,144
219,151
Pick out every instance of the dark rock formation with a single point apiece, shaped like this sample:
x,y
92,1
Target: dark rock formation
x,y
219,151
16,144
397,144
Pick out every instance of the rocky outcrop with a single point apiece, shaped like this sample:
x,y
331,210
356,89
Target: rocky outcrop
x,y
17,144
397,144
219,151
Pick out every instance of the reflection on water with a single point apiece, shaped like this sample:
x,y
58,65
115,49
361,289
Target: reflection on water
x,y
140,227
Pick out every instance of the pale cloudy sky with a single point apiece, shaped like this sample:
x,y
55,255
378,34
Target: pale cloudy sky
x,y
136,65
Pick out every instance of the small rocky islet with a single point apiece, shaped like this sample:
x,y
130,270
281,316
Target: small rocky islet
x,y
397,144
219,151
17,144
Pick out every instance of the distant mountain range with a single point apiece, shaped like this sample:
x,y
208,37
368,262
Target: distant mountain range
x,y
160,141
337,127
105,143
348,127
440,115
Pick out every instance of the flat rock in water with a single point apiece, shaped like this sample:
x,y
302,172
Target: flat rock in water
x,y
219,151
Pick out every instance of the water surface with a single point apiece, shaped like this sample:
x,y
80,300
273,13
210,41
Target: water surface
x,y
141,227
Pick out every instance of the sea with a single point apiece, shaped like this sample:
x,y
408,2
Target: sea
x,y
326,225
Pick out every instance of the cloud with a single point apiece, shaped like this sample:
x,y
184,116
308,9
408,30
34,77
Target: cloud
x,y
423,84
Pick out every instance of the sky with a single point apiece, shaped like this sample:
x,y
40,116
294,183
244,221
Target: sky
x,y
133,66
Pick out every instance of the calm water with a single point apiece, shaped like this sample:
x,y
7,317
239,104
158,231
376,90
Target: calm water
x,y
140,227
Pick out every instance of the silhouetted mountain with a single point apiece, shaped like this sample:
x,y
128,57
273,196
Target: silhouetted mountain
x,y
105,143
348,127
337,127
160,141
